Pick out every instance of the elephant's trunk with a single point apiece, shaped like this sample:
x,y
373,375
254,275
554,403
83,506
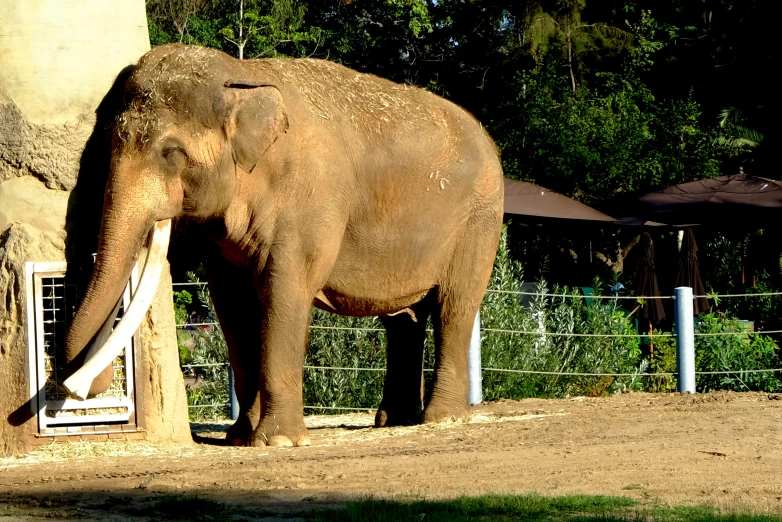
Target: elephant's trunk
x,y
123,231
81,383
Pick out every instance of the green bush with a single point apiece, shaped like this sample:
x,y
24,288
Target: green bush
x,y
727,346
662,360
344,342
207,353
546,352
738,350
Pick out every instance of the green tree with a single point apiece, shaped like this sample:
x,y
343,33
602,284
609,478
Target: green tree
x,y
594,144
564,27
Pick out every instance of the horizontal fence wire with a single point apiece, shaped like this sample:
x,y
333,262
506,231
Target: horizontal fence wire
x,y
720,296
534,372
526,332
737,332
358,329
725,372
353,369
573,334
580,374
337,408
218,405
579,296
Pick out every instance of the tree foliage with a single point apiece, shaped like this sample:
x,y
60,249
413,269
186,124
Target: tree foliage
x,y
589,98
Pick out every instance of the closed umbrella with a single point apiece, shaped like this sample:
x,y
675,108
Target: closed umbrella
x,y
689,273
652,310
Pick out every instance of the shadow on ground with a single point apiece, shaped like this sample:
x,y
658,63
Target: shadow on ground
x,y
142,505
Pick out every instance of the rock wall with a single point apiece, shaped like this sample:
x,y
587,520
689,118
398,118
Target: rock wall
x,y
61,68
19,243
21,153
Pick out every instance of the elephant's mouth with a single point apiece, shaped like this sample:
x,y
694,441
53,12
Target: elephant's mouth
x,y
101,354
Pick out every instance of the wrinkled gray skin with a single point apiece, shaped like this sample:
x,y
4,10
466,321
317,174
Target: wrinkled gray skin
x,y
318,185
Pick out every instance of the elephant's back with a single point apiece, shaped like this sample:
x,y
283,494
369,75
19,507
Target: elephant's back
x,y
366,102
395,133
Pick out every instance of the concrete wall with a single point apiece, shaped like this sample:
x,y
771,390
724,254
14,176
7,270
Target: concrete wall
x,y
58,62
61,57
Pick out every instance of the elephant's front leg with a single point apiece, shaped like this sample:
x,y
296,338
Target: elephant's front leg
x,y
287,307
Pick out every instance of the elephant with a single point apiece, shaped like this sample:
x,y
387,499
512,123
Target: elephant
x,y
315,185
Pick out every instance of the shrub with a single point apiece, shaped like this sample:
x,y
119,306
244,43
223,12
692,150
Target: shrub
x,y
739,350
207,352
543,351
344,342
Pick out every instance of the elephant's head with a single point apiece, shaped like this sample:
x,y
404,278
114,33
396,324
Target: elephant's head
x,y
194,119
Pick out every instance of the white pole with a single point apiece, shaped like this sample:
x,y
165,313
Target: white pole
x,y
233,402
685,340
474,362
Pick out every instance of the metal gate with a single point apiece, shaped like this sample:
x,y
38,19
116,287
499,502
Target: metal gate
x,y
51,303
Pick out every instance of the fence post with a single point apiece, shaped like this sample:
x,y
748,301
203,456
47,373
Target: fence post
x,y
685,340
233,403
474,362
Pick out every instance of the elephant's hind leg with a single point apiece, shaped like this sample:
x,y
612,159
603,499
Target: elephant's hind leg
x,y
402,402
458,300
239,311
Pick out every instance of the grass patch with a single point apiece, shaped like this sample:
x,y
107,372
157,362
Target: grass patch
x,y
190,507
529,508
490,507
705,514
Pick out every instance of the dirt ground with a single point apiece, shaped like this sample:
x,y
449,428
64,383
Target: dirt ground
x,y
720,449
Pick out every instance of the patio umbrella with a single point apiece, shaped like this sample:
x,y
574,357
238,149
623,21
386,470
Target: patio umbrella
x,y
727,199
689,273
527,199
647,283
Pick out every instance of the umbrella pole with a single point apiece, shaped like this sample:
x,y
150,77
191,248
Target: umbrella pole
x,y
651,343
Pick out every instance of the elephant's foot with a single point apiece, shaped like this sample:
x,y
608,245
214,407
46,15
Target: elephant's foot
x,y
389,415
280,432
441,412
240,433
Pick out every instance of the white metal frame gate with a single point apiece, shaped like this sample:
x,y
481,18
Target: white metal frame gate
x,y
51,304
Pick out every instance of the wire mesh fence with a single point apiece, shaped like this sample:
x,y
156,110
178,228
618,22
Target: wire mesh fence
x,y
542,344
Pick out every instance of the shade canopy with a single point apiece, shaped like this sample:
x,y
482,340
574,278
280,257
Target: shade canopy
x,y
715,200
526,199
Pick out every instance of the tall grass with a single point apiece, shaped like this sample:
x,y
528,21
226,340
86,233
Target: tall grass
x,y
542,350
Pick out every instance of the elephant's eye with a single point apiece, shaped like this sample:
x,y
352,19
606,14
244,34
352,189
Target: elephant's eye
x,y
174,156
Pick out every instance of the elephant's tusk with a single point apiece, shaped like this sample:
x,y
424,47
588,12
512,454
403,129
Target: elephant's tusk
x,y
99,357
104,332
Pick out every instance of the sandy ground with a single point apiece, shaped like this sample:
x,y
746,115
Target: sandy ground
x,y
720,449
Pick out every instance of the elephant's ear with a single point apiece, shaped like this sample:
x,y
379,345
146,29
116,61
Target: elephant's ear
x,y
257,118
